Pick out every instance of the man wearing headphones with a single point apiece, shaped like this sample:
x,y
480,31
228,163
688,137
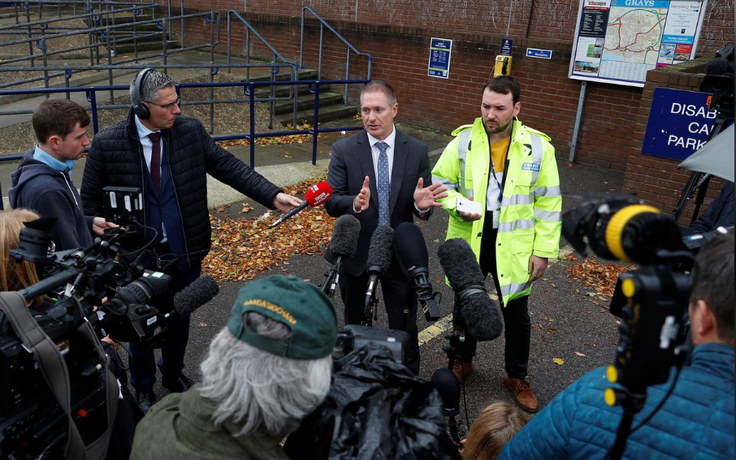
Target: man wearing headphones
x,y
168,157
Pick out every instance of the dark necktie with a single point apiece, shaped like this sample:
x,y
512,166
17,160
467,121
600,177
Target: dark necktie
x,y
156,159
383,186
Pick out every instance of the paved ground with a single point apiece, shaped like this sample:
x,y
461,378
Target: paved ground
x,y
566,324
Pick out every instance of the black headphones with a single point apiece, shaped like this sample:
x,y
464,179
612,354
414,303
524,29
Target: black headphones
x,y
138,107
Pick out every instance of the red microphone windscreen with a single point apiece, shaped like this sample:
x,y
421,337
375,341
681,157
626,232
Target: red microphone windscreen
x,y
317,194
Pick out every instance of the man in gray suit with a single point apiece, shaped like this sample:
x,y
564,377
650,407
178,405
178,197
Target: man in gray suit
x,y
378,175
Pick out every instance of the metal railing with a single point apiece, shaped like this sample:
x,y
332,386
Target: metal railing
x,y
249,29
249,89
350,48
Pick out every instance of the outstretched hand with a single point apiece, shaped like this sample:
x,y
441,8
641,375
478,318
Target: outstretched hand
x,y
284,202
362,199
426,197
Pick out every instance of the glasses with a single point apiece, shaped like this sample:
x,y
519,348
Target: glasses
x,y
167,106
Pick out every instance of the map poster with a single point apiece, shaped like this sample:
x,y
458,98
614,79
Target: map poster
x,y
619,41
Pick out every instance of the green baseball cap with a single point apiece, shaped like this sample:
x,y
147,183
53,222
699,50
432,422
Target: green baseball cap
x,y
301,306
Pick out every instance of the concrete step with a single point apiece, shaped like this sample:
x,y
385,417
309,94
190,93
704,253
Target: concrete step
x,y
285,75
306,102
333,112
128,48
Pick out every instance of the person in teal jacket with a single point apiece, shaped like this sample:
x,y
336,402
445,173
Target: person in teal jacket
x,y
695,422
510,171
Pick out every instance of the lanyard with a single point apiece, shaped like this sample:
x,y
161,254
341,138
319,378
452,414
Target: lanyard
x,y
493,167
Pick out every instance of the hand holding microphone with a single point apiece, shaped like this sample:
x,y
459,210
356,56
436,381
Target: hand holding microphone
x,y
481,315
316,195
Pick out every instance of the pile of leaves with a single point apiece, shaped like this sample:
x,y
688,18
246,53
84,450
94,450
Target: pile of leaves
x,y
599,277
281,140
244,247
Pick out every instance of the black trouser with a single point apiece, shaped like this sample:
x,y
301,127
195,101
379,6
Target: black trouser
x,y
143,365
398,296
517,324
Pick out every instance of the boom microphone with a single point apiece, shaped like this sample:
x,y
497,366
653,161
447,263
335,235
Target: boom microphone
x,y
411,251
343,245
316,195
379,260
481,315
198,293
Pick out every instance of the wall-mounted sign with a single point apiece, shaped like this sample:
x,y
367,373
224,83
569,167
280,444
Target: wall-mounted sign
x,y
539,54
679,123
440,52
507,45
619,41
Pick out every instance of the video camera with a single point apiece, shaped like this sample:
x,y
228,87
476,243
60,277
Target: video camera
x,y
719,81
33,422
651,301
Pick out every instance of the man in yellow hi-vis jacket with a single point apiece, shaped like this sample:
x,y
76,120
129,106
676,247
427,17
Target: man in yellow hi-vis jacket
x,y
510,170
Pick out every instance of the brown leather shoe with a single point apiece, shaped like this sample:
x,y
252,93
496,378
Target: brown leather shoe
x,y
521,391
462,370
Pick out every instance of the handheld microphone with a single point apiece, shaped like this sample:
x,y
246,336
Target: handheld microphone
x,y
411,251
343,244
378,262
316,195
449,389
198,293
482,318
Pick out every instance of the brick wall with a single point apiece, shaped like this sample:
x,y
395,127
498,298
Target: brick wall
x,y
611,129
551,19
658,180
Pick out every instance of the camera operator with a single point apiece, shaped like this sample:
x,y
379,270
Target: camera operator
x,y
265,371
720,213
43,180
697,421
16,276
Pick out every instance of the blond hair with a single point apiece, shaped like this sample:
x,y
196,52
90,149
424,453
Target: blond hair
x,y
16,276
493,428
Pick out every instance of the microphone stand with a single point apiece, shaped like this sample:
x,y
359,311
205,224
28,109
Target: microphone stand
x,y
370,310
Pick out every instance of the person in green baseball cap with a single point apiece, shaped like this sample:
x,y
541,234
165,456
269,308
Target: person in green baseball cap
x,y
265,371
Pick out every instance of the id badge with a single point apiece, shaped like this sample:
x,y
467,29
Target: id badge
x,y
496,219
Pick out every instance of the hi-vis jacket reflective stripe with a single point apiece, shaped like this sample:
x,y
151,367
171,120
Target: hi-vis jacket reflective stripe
x,y
531,206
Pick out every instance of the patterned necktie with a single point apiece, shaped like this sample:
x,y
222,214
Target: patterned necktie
x,y
156,159
383,185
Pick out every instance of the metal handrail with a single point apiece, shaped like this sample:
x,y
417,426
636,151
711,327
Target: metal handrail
x,y
350,48
276,57
249,89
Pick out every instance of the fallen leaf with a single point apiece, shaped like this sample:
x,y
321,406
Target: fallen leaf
x,y
551,329
202,324
558,361
579,354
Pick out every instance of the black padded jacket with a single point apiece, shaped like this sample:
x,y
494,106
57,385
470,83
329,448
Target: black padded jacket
x,y
116,159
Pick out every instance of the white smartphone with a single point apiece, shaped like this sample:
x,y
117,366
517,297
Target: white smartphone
x,y
468,206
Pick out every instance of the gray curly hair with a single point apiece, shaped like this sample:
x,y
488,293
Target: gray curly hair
x,y
265,393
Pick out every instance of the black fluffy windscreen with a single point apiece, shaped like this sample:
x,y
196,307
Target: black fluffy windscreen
x,y
459,263
198,293
344,239
482,318
411,250
379,251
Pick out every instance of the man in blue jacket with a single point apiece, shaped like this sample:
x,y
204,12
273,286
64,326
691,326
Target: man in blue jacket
x,y
696,421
